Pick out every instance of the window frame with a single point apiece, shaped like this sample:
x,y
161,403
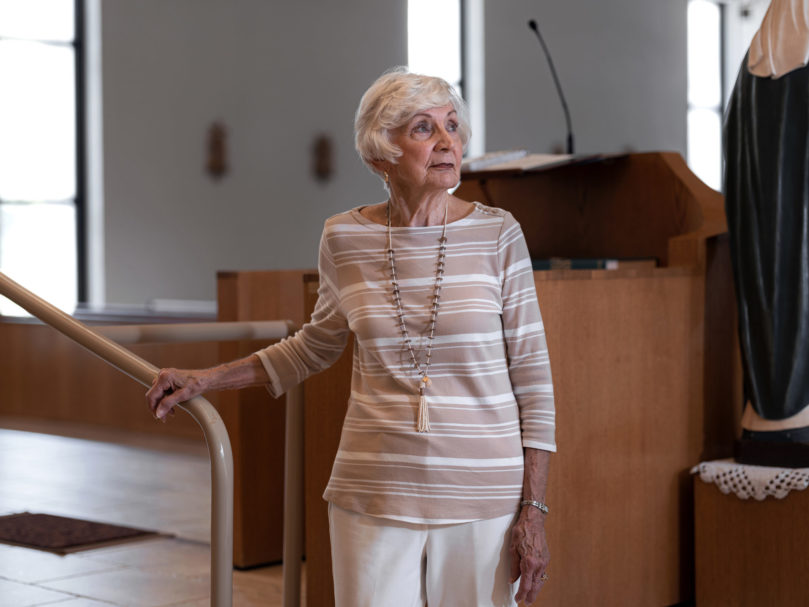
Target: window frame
x,y
719,108
79,198
80,201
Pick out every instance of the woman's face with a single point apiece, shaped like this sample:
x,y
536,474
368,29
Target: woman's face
x,y
431,151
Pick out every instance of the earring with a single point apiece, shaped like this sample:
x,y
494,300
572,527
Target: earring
x,y
387,179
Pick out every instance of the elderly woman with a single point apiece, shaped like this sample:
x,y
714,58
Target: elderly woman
x,y
437,493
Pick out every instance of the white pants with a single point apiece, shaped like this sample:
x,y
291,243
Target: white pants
x,y
385,563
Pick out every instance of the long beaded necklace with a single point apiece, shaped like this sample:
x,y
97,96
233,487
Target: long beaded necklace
x,y
423,423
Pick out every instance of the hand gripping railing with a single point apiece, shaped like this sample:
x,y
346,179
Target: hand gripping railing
x,y
216,436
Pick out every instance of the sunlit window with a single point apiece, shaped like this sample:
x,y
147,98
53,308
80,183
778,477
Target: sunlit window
x,y
434,39
705,91
38,162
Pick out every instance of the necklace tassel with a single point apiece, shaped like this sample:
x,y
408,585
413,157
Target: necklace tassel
x,y
423,422
424,414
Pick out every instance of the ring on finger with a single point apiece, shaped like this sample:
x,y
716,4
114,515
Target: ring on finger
x,y
543,577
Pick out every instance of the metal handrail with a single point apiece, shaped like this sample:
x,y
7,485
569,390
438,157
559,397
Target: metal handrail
x,y
293,445
99,342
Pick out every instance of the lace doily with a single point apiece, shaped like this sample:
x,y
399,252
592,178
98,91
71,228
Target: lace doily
x,y
757,482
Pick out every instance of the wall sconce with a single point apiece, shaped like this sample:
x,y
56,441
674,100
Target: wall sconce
x,y
216,164
323,158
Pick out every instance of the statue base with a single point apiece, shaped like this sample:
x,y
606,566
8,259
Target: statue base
x,y
758,451
780,443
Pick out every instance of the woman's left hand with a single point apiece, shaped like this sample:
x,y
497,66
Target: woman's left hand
x,y
529,554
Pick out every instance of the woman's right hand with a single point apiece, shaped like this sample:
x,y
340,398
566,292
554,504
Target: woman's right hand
x,y
174,386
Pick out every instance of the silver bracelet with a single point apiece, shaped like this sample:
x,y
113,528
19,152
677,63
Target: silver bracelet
x,y
542,507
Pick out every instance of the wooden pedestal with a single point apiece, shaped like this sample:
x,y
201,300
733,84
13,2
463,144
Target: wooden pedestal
x,y
750,553
255,421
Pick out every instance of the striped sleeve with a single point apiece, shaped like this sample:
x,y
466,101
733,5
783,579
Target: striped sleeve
x,y
528,362
319,342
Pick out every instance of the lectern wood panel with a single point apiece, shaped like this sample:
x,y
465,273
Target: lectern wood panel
x,y
255,421
623,207
326,402
626,377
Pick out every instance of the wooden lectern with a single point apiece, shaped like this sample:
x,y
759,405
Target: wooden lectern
x,y
644,368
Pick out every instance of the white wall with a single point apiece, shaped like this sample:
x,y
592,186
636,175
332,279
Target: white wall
x,y
277,74
280,73
622,66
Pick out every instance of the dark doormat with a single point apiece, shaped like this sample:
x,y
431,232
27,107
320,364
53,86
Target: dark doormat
x,y
63,535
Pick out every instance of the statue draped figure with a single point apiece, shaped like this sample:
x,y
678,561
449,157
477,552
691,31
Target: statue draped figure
x,y
767,205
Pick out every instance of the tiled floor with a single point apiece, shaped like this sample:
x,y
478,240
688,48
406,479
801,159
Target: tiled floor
x,y
165,488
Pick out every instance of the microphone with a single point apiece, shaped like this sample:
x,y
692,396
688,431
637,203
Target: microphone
x,y
533,25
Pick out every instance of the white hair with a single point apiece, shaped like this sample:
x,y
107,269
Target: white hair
x,y
391,101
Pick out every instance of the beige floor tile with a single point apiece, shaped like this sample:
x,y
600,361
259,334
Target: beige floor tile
x,y
163,556
133,588
152,489
263,587
20,427
10,504
252,591
30,566
14,594
193,531
79,602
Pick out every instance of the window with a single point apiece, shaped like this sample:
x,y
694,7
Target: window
x,y
434,39
705,94
445,38
40,138
719,33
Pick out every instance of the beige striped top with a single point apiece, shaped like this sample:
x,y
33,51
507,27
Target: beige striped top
x,y
491,391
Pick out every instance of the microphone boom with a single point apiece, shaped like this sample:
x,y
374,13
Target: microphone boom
x,y
533,25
